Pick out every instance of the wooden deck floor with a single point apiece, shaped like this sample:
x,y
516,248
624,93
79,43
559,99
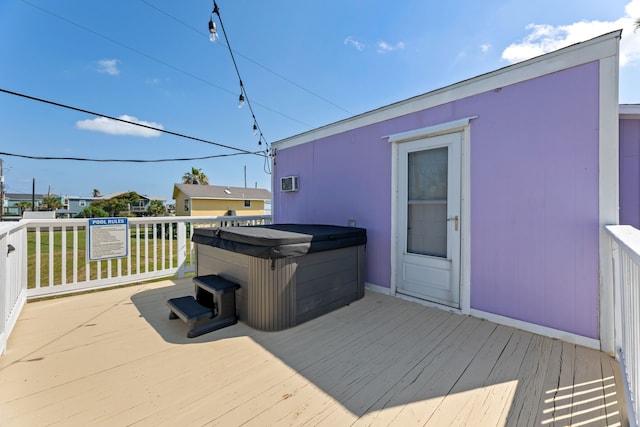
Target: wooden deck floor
x,y
114,358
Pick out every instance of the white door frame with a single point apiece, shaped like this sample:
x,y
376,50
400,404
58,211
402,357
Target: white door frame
x,y
463,127
434,278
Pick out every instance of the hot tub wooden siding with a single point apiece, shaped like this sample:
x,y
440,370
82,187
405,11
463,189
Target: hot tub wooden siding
x,y
276,294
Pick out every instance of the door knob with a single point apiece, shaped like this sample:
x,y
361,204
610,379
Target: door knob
x,y
455,223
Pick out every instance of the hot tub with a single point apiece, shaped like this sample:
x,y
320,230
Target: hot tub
x,y
288,273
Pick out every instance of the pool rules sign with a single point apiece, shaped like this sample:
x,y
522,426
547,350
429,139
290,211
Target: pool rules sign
x,y
107,238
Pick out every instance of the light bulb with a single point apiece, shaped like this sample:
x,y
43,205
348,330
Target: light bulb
x,y
213,31
240,101
255,129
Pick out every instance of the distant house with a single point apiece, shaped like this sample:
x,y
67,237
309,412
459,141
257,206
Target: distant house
x,y
213,200
140,207
73,205
13,199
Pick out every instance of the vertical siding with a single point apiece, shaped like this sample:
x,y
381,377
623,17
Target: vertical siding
x,y
208,207
180,205
630,172
534,195
342,178
534,202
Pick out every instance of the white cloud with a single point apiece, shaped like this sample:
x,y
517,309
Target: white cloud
x,y
108,66
546,38
485,47
353,42
384,47
114,127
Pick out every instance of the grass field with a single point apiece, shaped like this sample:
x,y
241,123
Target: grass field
x,y
66,253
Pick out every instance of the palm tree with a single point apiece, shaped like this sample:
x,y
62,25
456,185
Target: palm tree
x,y
196,176
638,24
52,202
96,192
23,205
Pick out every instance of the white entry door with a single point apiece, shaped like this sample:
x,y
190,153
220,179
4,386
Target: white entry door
x,y
428,209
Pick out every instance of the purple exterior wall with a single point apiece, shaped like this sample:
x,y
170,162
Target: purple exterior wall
x,y
534,195
630,172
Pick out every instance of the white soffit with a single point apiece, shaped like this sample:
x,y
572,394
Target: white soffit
x,y
430,130
581,53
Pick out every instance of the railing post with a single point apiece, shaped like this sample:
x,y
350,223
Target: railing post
x,y
607,315
617,299
182,248
4,293
13,289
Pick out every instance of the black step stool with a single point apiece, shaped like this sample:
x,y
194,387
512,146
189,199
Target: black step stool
x,y
213,308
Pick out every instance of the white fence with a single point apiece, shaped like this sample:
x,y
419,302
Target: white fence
x,y
40,258
13,277
625,245
158,247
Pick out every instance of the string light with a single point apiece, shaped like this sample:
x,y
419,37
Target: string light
x,y
213,31
243,93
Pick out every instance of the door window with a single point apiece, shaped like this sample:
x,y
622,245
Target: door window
x,y
427,202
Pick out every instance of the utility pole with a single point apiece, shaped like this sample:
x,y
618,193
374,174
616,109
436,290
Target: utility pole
x,y
245,176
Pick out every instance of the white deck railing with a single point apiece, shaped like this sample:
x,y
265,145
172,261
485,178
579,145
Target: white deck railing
x,y
158,247
40,258
625,244
13,277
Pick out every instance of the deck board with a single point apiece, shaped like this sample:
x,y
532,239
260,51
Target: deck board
x,y
114,358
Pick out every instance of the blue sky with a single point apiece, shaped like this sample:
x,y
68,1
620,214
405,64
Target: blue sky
x,y
303,64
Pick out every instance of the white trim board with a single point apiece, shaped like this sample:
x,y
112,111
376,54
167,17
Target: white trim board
x,y
377,289
581,53
608,190
502,320
537,329
463,127
440,128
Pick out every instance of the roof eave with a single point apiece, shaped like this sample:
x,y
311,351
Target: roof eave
x,y
511,74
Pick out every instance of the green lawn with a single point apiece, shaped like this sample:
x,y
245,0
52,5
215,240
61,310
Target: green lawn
x,y
147,263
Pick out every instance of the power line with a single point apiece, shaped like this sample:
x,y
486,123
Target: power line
x,y
139,52
251,60
57,104
84,159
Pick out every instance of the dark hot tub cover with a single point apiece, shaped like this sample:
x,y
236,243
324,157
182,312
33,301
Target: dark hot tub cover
x,y
280,240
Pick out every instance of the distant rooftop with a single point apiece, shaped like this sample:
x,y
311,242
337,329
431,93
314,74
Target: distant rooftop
x,y
144,196
196,191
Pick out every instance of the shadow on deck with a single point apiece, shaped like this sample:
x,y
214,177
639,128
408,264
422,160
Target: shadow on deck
x,y
115,358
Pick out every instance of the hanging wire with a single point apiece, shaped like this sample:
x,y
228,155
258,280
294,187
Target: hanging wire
x,y
81,110
244,98
87,159
159,61
240,54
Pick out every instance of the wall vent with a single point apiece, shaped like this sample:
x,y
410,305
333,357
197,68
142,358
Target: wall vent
x,y
289,184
